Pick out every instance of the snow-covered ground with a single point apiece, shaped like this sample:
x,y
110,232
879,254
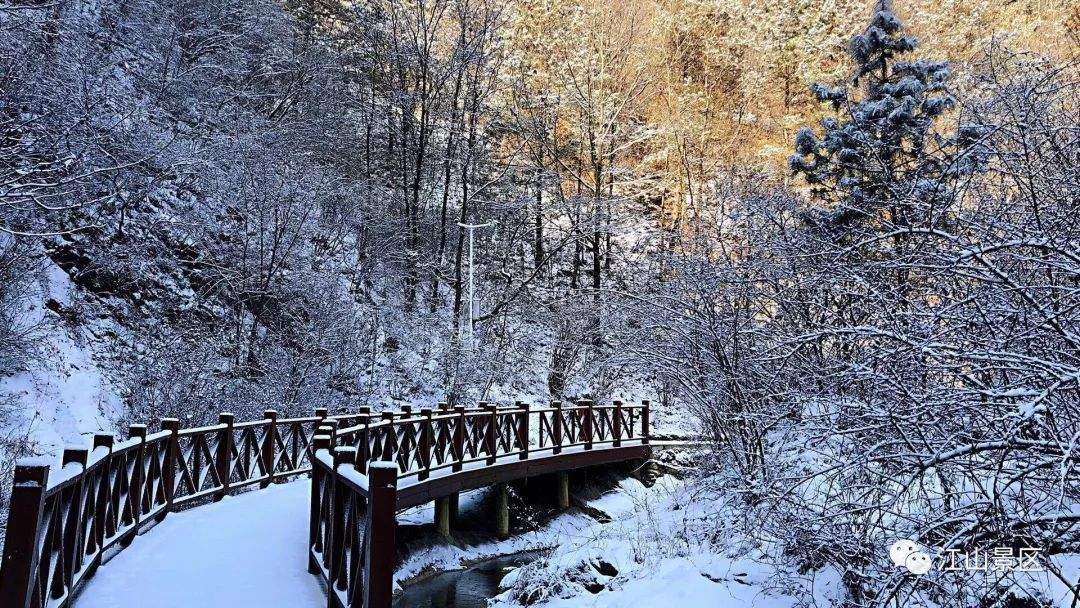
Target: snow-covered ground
x,y
657,551
67,398
247,550
680,544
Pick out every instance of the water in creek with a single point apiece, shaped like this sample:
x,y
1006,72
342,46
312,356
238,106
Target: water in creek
x,y
469,588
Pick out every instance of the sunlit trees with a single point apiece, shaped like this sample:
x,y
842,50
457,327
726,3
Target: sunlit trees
x,y
581,82
883,148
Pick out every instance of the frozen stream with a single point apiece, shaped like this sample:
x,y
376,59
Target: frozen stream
x,y
468,588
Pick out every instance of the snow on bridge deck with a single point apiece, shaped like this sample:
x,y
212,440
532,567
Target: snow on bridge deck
x,y
247,550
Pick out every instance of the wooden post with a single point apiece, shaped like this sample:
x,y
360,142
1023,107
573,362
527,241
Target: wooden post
x,y
168,463
20,565
338,577
440,429
645,422
490,441
502,510
563,481
381,550
363,446
223,458
557,427
523,430
403,443
459,438
104,497
389,450
327,427
320,416
442,516
318,442
363,418
616,427
587,423
73,527
138,481
425,444
268,446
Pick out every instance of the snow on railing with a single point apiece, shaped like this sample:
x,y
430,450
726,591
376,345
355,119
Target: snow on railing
x,y
61,524
358,465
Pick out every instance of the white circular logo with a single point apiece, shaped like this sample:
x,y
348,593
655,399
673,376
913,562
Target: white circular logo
x,y
908,554
900,550
918,563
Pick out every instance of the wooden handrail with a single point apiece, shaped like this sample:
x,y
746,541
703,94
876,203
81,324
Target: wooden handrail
x,y
405,446
104,496
100,498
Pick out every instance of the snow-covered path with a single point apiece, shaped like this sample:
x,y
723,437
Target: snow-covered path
x,y
246,550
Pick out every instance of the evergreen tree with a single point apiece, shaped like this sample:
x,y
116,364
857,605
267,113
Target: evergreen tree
x,y
881,158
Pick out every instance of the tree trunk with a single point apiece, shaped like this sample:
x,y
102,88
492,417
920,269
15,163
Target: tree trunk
x,y
451,146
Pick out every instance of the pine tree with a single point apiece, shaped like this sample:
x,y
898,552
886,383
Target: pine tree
x,y
881,157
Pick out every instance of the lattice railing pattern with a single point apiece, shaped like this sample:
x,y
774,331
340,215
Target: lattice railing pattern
x,y
60,525
428,440
341,529
102,497
357,466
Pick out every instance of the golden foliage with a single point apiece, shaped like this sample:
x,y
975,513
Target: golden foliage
x,y
728,79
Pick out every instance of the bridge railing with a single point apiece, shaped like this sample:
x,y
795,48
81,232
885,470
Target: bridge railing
x,y
352,525
61,524
433,440
358,467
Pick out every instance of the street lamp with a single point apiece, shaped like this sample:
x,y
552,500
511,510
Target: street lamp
x,y
472,306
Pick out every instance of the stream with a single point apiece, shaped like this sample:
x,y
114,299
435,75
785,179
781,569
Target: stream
x,y
468,588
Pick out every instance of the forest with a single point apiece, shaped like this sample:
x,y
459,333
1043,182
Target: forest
x,y
838,241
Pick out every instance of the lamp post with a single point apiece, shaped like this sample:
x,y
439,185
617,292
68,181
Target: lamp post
x,y
472,229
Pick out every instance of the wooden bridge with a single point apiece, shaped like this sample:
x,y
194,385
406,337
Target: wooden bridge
x,y
364,468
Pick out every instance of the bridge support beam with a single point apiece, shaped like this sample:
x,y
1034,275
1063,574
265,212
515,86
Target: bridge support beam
x,y
453,501
442,516
502,510
563,491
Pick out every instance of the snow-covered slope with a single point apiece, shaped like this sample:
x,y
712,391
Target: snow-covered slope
x,y
65,397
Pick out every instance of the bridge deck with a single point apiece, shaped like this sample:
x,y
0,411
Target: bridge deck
x,y
247,550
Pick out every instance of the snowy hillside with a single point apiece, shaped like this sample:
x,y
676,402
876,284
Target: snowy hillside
x,y
65,396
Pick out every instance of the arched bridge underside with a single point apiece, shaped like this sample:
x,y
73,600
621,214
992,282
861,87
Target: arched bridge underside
x,y
364,469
